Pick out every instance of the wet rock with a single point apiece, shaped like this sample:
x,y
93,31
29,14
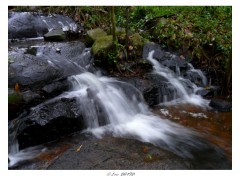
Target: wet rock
x,y
29,96
116,153
208,92
47,66
18,100
30,24
55,35
150,46
221,105
167,59
45,72
196,78
48,122
56,88
161,90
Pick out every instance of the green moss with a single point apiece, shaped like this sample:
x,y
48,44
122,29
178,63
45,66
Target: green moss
x,y
92,35
102,44
136,40
14,97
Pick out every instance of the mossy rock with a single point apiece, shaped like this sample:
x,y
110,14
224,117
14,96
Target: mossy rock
x,y
93,34
136,40
14,97
101,45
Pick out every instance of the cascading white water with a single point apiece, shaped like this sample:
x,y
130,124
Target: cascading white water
x,y
127,117
15,156
177,82
200,73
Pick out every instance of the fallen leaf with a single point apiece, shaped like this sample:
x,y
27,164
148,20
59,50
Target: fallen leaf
x,y
17,87
79,148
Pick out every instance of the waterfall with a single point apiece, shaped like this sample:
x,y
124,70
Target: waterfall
x,y
177,83
200,73
126,117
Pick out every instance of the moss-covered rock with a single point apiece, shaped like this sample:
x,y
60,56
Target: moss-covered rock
x,y
136,45
14,97
101,45
136,40
102,51
93,34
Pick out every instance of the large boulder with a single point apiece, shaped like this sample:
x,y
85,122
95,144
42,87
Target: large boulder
x,y
41,71
49,121
221,105
32,24
51,62
119,153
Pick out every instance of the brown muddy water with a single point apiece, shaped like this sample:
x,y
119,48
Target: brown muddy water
x,y
215,126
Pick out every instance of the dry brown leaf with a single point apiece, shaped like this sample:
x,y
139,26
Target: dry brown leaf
x,y
17,87
79,148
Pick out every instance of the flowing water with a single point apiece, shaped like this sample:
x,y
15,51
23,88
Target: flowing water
x,y
109,110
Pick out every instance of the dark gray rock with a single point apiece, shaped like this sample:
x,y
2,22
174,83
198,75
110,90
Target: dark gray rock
x,y
48,65
117,153
208,92
31,25
221,105
49,121
150,46
56,88
167,59
161,90
45,71
19,100
55,35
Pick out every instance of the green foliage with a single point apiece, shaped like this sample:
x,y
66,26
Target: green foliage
x,y
203,31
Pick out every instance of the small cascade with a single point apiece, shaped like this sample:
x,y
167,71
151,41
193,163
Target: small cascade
x,y
199,73
177,82
15,155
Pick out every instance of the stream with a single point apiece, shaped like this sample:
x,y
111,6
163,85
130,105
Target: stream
x,y
185,125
